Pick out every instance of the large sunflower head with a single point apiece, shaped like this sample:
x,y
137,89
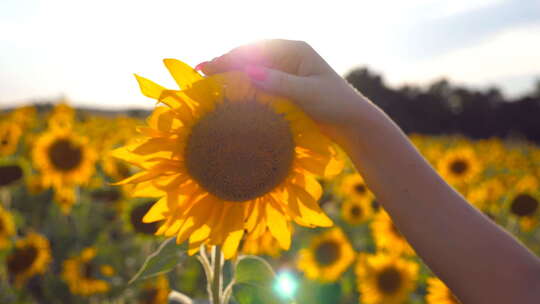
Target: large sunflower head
x,y
438,293
385,278
83,275
388,237
327,257
63,158
459,166
7,227
31,256
223,158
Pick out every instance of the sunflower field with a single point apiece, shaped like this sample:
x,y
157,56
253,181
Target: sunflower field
x,y
216,199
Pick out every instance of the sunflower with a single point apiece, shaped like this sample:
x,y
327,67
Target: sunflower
x,y
523,203
224,158
31,256
63,159
355,212
155,292
10,134
387,236
82,274
385,278
438,293
7,227
327,257
352,186
264,244
459,166
62,116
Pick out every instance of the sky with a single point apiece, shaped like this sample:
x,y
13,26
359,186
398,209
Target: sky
x,y
88,51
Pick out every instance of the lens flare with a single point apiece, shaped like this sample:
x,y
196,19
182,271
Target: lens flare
x,y
286,284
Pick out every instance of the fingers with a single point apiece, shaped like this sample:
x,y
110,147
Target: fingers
x,y
278,82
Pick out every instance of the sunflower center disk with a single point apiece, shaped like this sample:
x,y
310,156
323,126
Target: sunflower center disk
x,y
327,253
389,280
524,205
360,188
21,259
459,167
240,151
64,155
356,211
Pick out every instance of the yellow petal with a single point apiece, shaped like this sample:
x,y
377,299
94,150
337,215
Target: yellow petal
x,y
231,243
146,189
277,224
149,88
157,211
183,74
139,177
308,207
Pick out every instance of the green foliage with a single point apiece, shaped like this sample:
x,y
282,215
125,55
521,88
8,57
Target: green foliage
x,y
166,257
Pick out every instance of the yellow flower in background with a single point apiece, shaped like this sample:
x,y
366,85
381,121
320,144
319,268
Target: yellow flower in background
x,y
62,116
352,186
356,212
438,293
264,244
31,256
10,134
155,291
225,159
7,227
81,273
385,279
523,202
64,160
327,257
24,116
460,166
387,236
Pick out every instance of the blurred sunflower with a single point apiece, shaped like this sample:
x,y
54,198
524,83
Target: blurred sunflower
x,y
355,212
62,116
64,160
81,274
387,236
327,257
352,186
438,293
10,134
225,158
31,256
459,166
7,227
523,203
155,291
385,278
264,244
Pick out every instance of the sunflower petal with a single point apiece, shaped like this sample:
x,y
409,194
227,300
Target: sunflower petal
x,y
183,74
157,211
277,224
149,88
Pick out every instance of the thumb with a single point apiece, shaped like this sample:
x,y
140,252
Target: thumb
x,y
278,82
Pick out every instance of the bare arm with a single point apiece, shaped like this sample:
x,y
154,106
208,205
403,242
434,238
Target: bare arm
x,y
479,261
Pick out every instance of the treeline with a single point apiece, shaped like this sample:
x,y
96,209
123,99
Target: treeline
x,y
443,108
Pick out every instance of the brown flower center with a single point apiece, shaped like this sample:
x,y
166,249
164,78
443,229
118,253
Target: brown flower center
x,y
356,211
459,167
524,205
21,259
240,151
89,270
149,296
360,188
327,253
64,155
10,174
389,280
136,217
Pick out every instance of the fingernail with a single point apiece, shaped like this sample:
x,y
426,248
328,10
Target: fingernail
x,y
256,73
200,66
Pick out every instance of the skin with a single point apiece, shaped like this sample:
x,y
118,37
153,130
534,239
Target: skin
x,y
478,261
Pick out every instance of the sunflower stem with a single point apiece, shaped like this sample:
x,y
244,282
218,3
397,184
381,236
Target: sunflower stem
x,y
216,277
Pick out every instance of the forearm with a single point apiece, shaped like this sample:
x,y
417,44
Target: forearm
x,y
478,260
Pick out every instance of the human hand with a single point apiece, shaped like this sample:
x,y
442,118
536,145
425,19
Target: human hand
x,y
294,70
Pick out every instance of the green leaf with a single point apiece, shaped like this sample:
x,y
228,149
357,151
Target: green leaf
x,y
254,282
163,260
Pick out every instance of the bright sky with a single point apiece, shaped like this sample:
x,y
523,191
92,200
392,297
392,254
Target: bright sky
x,y
88,50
